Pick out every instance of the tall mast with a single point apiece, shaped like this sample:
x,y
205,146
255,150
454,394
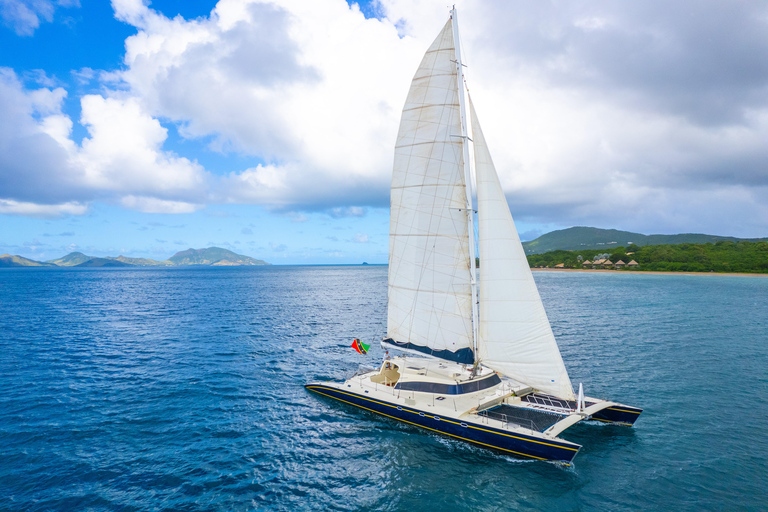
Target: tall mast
x,y
467,179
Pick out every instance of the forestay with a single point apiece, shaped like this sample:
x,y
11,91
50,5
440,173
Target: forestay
x,y
515,337
429,268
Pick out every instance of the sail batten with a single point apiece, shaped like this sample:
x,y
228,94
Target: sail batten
x,y
515,337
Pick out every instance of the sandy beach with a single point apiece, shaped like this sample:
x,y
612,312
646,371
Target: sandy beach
x,y
646,272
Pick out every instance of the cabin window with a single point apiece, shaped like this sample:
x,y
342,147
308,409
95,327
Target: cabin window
x,y
450,389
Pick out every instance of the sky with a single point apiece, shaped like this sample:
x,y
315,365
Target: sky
x,y
267,127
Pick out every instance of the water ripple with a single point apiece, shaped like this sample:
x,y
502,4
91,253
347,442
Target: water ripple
x,y
181,389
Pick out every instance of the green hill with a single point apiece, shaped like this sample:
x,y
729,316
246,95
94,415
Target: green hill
x,y
143,262
74,259
213,256
581,238
70,260
104,262
6,260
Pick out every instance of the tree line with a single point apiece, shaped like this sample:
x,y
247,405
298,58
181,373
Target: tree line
x,y
721,256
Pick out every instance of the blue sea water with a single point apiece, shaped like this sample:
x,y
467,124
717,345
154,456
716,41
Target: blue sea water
x,y
181,389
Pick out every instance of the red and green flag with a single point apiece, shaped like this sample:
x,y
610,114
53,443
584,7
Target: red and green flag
x,y
361,347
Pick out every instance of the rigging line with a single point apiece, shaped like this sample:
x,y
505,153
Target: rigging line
x,y
378,331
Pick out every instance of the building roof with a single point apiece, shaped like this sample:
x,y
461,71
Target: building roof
x,y
633,262
620,263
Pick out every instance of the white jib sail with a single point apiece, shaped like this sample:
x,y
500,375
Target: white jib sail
x,y
515,337
429,280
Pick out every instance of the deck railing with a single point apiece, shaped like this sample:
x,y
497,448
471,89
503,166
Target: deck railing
x,y
506,419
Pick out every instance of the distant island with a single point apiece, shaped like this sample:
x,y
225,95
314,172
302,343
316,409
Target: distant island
x,y
211,256
580,238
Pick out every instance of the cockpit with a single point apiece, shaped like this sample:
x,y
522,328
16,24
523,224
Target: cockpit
x,y
388,375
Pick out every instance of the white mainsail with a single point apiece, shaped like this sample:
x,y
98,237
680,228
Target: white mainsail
x,y
515,337
430,305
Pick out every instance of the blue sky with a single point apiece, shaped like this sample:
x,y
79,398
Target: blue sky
x,y
267,127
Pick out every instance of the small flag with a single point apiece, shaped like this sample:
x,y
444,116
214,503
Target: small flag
x,y
361,347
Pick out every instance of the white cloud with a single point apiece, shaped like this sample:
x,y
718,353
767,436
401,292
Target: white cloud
x,y
154,205
32,130
124,152
122,160
307,86
84,75
9,207
25,16
297,217
360,238
624,115
621,115
348,211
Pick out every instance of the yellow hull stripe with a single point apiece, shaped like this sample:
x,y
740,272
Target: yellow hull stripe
x,y
622,410
315,389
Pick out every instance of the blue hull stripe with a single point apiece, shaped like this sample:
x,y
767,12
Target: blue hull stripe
x,y
516,444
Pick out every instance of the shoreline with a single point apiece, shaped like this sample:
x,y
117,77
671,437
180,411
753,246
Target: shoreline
x,y
648,272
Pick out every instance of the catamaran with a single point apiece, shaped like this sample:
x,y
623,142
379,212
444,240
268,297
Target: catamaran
x,y
480,362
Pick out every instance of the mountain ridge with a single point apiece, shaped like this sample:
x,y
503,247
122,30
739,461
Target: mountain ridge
x,y
214,256
583,237
209,256
8,260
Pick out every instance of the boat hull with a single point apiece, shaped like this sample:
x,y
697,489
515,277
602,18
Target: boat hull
x,y
512,443
620,414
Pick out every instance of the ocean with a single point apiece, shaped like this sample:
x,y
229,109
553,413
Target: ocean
x,y
182,389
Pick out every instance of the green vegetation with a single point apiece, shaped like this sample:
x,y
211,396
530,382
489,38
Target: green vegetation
x,y
212,256
70,260
607,240
723,256
6,260
103,262
78,259
143,262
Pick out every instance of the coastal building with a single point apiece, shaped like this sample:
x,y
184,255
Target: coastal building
x,y
619,265
633,264
560,265
607,263
586,264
